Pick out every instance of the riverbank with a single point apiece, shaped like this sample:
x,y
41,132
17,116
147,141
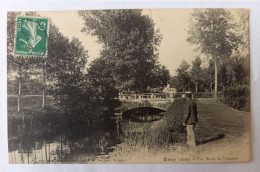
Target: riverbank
x,y
32,119
222,135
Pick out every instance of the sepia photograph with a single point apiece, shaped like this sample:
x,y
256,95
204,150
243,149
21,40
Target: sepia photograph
x,y
129,86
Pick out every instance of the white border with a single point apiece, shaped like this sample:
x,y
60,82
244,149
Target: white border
x,y
254,7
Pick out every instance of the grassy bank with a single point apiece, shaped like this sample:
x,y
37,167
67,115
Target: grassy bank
x,y
221,130
29,103
32,119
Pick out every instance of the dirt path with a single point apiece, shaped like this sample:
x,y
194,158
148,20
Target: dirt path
x,y
222,135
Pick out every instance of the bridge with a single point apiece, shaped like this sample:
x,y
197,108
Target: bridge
x,y
157,100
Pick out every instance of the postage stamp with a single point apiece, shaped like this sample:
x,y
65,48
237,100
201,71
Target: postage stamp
x,y
31,36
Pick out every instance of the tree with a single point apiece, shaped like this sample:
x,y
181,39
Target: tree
x,y
105,85
196,72
66,64
183,75
161,76
243,33
209,75
175,83
243,52
234,72
129,45
212,31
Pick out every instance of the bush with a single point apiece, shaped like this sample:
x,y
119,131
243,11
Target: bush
x,y
168,130
238,97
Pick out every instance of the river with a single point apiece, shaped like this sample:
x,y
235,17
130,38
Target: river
x,y
67,147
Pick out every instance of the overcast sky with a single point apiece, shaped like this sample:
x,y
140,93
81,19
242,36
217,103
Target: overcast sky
x,y
172,23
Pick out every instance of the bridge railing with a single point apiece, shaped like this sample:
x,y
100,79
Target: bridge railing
x,y
143,96
207,95
167,96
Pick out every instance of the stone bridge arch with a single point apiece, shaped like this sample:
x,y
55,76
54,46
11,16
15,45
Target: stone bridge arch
x,y
130,104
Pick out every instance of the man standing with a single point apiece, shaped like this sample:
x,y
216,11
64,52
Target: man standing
x,y
190,118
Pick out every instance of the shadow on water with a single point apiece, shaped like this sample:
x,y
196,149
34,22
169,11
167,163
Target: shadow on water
x,y
143,114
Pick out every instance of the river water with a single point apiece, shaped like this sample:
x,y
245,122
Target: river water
x,y
66,147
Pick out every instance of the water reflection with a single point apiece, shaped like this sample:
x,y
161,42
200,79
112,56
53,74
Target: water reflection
x,y
62,149
44,153
143,114
67,147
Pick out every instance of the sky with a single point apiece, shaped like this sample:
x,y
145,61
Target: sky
x,y
172,23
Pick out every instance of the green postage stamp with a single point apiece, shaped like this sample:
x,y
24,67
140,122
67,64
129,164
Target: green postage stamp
x,y
31,36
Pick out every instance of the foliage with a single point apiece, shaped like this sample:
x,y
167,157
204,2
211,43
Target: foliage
x,y
238,97
71,86
160,76
168,131
30,87
213,32
129,47
243,33
209,76
103,83
64,71
196,73
183,75
175,83
235,72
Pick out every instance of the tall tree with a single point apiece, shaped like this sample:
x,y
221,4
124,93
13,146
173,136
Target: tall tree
x,y
243,53
101,79
183,75
196,73
129,45
212,31
209,75
161,76
243,33
175,83
66,70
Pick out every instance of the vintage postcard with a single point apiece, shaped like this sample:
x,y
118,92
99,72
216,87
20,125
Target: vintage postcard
x,y
128,86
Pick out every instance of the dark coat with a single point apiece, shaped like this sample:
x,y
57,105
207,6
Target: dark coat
x,y
190,112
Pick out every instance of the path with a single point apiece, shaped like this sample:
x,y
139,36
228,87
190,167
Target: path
x,y
222,132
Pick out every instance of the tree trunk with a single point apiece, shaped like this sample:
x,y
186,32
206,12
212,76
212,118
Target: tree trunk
x,y
43,90
216,78
196,85
19,96
19,89
43,99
